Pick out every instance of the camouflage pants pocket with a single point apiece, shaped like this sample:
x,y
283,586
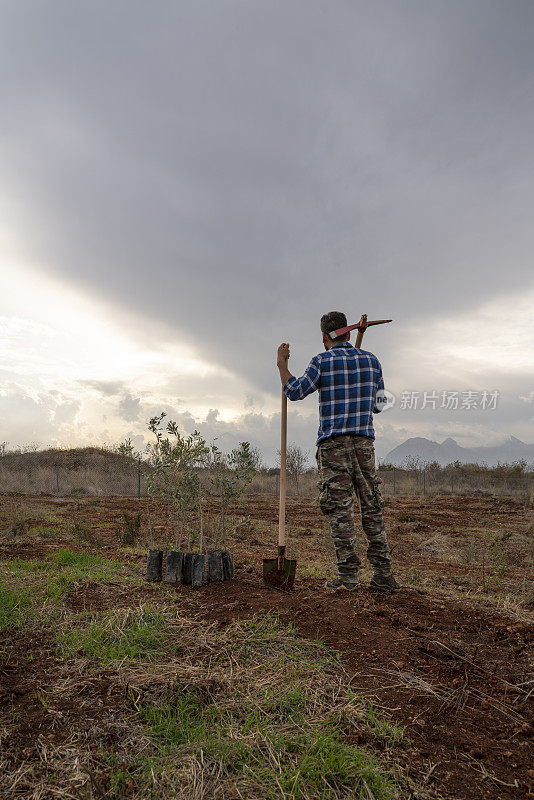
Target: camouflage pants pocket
x,y
326,501
377,495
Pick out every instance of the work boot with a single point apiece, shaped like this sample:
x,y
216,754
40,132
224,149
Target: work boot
x,y
384,583
337,585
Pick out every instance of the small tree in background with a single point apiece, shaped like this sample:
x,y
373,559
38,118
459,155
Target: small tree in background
x,y
126,449
243,460
256,457
296,462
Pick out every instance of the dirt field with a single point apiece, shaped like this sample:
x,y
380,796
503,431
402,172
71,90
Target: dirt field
x,y
448,660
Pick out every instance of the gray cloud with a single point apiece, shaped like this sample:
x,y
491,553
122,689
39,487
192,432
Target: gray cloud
x,y
234,170
129,407
45,417
107,388
66,411
52,417
211,417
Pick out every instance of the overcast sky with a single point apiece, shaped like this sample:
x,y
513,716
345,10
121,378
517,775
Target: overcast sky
x,y
184,185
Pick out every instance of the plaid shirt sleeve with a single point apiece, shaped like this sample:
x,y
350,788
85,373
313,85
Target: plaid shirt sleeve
x,y
380,388
298,388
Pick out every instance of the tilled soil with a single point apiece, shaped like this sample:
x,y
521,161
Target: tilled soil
x,y
453,676
479,540
455,673
103,596
45,728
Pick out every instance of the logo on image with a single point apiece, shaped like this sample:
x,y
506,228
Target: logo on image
x,y
384,399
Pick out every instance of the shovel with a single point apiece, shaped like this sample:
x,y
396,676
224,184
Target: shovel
x,y
280,572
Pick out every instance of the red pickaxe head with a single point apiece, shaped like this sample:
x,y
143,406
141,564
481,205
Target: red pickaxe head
x,y
361,326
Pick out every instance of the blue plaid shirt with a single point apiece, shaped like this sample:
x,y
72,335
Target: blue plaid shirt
x,y
348,380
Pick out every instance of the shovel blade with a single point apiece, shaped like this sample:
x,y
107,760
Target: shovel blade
x,y
279,573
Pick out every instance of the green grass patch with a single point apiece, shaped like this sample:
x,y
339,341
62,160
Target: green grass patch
x,y
71,558
14,606
47,581
281,728
382,728
406,517
67,567
278,749
257,709
117,635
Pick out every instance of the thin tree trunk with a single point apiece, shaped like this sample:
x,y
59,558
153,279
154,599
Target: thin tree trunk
x,y
149,520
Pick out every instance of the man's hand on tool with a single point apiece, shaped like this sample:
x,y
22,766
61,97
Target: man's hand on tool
x,y
282,357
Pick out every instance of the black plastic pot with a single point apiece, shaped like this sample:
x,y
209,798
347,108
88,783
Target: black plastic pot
x,y
228,564
174,567
215,565
199,569
187,568
154,566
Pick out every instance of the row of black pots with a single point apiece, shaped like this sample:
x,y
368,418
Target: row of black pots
x,y
194,569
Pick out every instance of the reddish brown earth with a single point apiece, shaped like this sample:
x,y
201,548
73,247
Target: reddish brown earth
x,y
97,524
102,596
38,719
456,674
475,718
455,678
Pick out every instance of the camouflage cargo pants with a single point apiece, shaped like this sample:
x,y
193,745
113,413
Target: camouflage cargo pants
x,y
347,467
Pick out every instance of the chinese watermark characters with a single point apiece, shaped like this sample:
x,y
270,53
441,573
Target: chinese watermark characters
x,y
468,400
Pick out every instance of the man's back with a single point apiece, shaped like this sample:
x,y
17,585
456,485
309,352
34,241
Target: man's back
x,y
347,380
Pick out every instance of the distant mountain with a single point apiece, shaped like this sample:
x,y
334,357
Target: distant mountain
x,y
426,451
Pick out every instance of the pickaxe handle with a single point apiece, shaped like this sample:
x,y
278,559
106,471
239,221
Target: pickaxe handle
x,y
362,325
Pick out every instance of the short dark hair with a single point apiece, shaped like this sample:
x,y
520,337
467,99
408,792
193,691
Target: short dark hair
x,y
332,322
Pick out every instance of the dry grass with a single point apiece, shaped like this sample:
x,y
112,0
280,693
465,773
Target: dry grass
x,y
147,702
76,482
99,471
251,711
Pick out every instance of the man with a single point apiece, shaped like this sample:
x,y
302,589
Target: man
x,y
347,380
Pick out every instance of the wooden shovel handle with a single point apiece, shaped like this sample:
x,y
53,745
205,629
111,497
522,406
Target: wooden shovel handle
x,y
283,450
